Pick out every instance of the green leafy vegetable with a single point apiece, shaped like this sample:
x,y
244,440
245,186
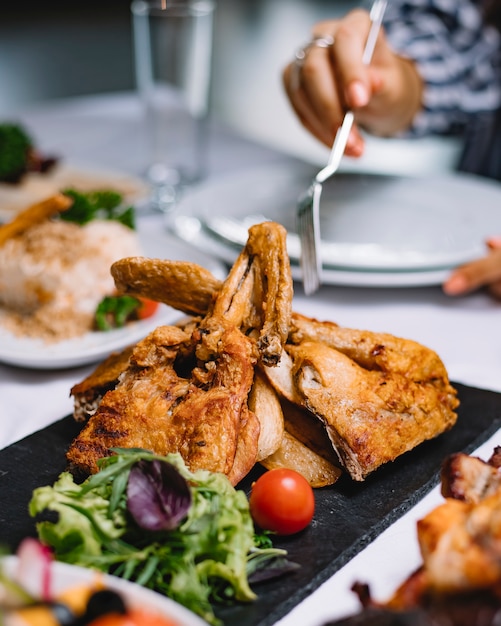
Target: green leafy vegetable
x,y
14,149
116,311
206,559
18,154
93,205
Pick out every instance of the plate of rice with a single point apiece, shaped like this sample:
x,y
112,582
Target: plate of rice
x,y
53,277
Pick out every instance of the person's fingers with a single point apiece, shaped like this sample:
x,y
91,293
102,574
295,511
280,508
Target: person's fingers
x,y
346,53
494,242
302,106
317,81
495,290
313,97
479,273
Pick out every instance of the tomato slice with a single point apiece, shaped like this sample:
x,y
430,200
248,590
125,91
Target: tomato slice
x,y
147,308
282,501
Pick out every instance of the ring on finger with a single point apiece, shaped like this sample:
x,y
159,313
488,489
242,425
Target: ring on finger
x,y
320,41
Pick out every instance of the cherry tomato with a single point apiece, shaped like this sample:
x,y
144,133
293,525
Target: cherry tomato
x,y
134,617
282,500
147,308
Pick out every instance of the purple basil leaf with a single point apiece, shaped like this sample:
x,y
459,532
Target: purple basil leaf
x,y
158,497
272,568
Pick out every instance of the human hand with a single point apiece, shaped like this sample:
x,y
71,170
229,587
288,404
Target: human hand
x,y
384,95
485,272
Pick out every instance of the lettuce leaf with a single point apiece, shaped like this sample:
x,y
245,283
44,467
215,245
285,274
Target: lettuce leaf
x,y
207,558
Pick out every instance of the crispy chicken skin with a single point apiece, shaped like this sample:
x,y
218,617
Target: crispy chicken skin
x,y
186,390
461,545
460,542
89,392
371,416
153,407
459,580
470,479
376,395
257,295
182,285
372,350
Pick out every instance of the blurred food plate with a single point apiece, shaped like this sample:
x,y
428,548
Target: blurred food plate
x,y
64,577
94,346
35,187
376,230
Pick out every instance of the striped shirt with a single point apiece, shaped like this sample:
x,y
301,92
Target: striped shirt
x,y
458,57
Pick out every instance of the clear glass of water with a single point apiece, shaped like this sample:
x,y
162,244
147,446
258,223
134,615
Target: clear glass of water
x,y
173,43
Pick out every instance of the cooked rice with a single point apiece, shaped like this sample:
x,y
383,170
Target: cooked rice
x,y
53,276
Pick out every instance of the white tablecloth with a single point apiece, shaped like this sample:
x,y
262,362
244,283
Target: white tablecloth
x,y
466,332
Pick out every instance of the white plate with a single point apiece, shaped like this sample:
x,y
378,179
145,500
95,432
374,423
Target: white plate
x,y
369,222
64,577
36,187
192,230
94,346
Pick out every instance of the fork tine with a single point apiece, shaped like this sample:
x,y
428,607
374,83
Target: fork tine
x,y
308,229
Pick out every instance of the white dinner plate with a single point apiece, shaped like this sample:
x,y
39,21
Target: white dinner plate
x,y
94,346
370,223
64,577
192,230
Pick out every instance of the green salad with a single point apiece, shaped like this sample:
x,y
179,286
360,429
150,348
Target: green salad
x,y
147,518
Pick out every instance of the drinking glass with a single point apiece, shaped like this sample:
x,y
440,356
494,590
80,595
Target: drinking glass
x,y
173,58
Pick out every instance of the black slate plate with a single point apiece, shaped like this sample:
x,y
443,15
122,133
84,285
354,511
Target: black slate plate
x,y
348,515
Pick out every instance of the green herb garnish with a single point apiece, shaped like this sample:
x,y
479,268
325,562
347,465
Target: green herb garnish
x,y
107,205
115,311
207,558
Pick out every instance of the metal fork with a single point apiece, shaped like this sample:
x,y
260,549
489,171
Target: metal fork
x,y
308,209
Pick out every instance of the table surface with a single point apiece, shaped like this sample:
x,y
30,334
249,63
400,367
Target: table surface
x,y
107,132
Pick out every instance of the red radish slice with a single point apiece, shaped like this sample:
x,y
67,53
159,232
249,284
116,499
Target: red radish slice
x,y
34,568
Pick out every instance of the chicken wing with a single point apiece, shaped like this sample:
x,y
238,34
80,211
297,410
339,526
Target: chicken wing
x,y
182,285
187,392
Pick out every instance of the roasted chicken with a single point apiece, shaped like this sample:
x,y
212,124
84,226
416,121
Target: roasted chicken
x,y
377,395
187,392
371,396
459,582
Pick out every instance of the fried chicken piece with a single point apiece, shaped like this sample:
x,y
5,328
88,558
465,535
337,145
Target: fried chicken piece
x,y
182,285
371,416
88,393
154,408
459,581
461,545
372,350
468,478
376,395
257,295
187,392
460,540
